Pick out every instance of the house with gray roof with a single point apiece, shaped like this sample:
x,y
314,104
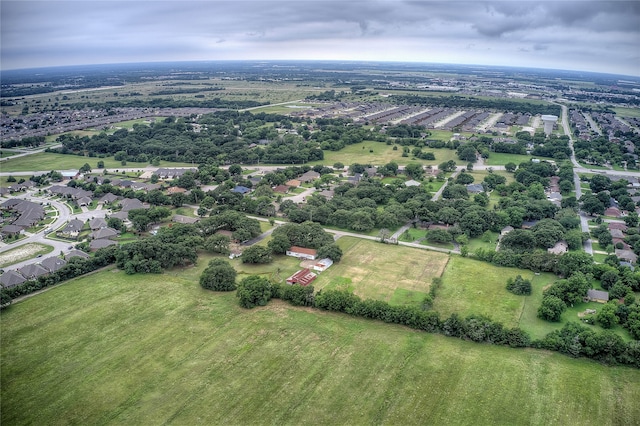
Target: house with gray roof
x,y
33,271
132,204
101,243
97,223
104,233
11,279
76,253
73,228
53,263
597,296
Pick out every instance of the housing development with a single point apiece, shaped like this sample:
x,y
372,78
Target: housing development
x,y
321,242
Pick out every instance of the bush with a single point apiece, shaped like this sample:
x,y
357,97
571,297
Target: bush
x,y
519,286
298,295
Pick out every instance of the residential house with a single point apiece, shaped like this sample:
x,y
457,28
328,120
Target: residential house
x,y
84,201
309,176
303,277
293,183
101,243
561,247
302,253
97,223
627,255
132,204
53,263
282,189
11,279
76,253
73,228
184,219
613,212
241,189
33,271
108,198
617,225
175,190
11,230
597,296
104,233
475,188
412,182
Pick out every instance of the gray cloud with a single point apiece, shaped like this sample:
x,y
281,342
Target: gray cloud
x,y
530,33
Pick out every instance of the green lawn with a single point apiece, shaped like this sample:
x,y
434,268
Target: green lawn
x,y
501,158
157,349
376,271
49,161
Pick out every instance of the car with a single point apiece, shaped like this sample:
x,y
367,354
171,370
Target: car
x,y
70,248
39,255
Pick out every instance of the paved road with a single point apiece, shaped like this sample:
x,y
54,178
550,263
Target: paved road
x,y
584,225
64,215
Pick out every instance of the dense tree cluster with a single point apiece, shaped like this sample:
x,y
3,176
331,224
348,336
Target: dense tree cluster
x,y
219,275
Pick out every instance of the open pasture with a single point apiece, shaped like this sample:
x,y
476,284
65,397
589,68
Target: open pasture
x,y
385,272
157,349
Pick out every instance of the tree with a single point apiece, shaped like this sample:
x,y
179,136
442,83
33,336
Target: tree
x,y
218,276
464,179
332,251
606,316
414,171
86,168
591,204
510,167
551,308
115,223
101,164
217,243
439,236
235,170
257,254
570,263
253,291
519,286
11,178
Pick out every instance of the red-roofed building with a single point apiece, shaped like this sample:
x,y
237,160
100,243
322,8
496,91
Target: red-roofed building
x,y
303,253
303,277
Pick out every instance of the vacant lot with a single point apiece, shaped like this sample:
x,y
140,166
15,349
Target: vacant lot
x,y
157,349
385,272
24,252
382,154
47,161
473,287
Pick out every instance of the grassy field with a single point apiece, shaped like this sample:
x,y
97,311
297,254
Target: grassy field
x,y
500,159
146,350
627,112
382,154
385,272
49,161
473,287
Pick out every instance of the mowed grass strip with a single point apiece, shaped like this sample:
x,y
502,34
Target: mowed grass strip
x,y
158,349
376,271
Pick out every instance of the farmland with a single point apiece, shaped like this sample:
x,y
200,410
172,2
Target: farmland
x,y
159,349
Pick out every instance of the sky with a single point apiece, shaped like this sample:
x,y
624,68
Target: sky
x,y
585,35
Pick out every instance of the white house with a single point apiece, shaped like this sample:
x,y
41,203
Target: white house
x,y
302,253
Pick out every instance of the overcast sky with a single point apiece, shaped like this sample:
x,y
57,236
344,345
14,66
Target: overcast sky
x,y
602,36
